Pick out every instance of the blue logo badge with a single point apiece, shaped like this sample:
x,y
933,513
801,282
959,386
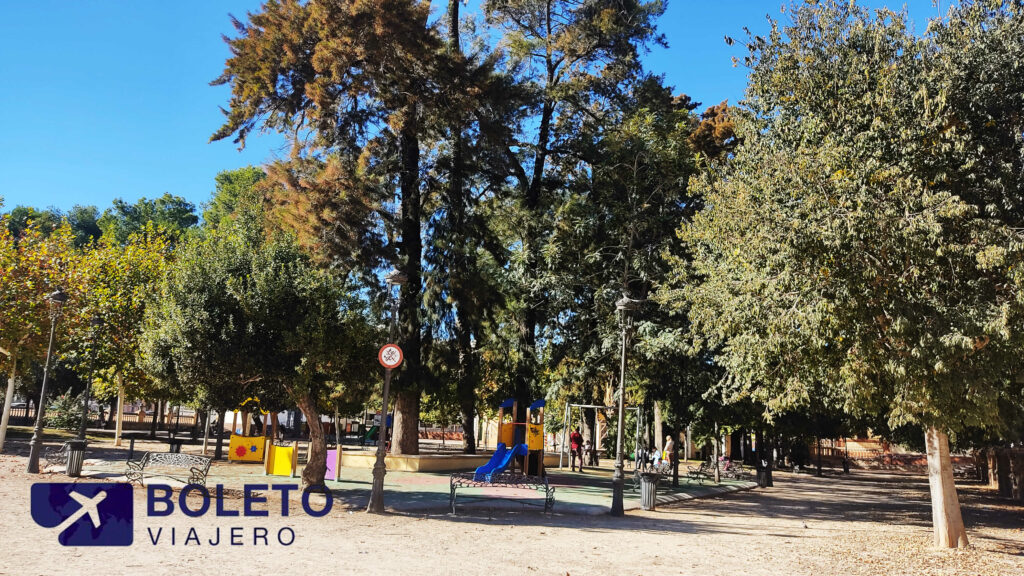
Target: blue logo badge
x,y
85,514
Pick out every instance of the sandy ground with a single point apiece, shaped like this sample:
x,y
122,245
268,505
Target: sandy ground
x,y
869,523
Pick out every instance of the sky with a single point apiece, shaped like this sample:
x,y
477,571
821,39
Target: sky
x,y
111,99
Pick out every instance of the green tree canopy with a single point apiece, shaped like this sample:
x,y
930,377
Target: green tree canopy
x,y
240,314
171,214
233,186
867,234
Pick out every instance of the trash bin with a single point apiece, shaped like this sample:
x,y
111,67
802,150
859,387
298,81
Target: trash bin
x,y
76,454
649,489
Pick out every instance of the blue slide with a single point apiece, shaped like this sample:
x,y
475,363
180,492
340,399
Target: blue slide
x,y
499,462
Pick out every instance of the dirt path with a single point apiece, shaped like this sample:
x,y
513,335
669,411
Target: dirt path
x,y
866,524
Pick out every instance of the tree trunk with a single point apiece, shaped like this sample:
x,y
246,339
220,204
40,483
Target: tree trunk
x,y
405,435
153,422
947,522
8,399
1003,482
993,467
718,472
1017,467
206,430
218,451
407,391
980,465
659,430
675,460
119,425
466,386
316,465
817,439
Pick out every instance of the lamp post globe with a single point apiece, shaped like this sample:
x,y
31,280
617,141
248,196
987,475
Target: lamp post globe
x,y
56,300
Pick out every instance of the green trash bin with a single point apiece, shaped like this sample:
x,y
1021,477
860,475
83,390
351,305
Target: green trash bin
x,y
76,455
649,489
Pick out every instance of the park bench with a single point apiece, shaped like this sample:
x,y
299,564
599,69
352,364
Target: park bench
x,y
171,465
661,469
735,471
58,456
703,472
507,480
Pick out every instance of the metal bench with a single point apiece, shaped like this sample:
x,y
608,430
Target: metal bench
x,y
58,456
164,465
735,471
701,473
508,480
662,469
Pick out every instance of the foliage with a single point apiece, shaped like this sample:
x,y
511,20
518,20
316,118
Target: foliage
x,y
241,314
32,266
119,280
845,244
233,187
65,412
23,217
171,214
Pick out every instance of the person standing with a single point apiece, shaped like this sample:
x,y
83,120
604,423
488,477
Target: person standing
x,y
670,449
576,447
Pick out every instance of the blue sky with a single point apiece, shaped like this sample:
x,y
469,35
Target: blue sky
x,y
111,99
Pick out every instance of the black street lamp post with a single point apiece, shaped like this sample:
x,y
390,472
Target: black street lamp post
x,y
57,300
624,306
376,504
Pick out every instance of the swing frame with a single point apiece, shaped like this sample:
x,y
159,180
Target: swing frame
x,y
563,452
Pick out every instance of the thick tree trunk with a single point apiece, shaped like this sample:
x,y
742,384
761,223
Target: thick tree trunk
x,y
316,465
947,522
407,392
405,434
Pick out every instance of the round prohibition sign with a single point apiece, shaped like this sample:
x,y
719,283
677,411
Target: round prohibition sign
x,y
390,356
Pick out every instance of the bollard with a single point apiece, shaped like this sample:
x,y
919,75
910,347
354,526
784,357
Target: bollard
x,y
76,455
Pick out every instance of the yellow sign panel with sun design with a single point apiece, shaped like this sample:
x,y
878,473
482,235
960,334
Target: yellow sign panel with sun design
x,y
246,448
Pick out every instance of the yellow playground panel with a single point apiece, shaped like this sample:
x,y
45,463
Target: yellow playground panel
x,y
281,460
246,448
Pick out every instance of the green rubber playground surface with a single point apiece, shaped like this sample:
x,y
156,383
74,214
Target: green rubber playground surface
x,y
587,493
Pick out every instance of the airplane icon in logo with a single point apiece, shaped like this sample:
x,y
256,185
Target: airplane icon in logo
x,y
88,507
64,507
